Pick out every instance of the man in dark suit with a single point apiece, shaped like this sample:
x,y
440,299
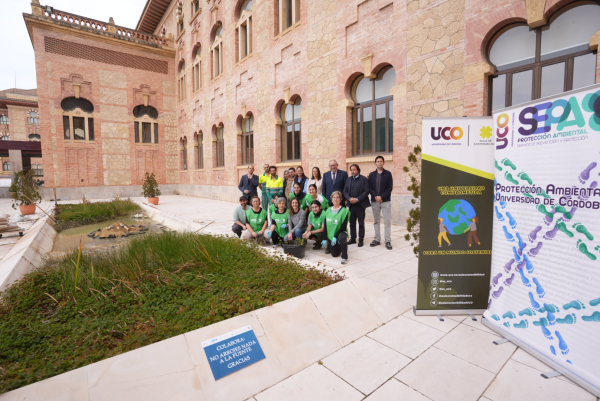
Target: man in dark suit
x,y
356,193
333,180
249,184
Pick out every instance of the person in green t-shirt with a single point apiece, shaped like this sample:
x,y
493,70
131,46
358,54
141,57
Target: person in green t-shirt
x,y
316,225
298,193
311,197
257,221
279,223
336,225
273,208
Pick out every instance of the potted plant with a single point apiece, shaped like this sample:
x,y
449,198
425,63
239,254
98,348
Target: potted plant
x,y
150,189
24,193
296,247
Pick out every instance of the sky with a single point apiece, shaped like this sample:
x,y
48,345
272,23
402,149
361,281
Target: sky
x,y
18,57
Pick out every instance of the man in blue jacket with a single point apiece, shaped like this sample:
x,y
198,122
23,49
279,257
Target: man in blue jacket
x,y
249,184
333,180
381,184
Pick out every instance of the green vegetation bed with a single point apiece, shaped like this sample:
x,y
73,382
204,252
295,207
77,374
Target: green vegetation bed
x,y
61,317
76,215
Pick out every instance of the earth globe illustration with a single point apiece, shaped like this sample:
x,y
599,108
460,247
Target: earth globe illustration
x,y
456,215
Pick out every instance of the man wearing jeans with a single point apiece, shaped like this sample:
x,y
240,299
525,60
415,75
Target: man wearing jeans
x,y
381,184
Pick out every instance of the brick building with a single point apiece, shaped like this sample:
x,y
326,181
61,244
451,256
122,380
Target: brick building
x,y
214,85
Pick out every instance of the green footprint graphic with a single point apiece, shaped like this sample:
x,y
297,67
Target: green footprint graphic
x,y
497,165
510,178
583,249
563,210
508,163
524,176
563,228
595,317
580,228
597,248
542,209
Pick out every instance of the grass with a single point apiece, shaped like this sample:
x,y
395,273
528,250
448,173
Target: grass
x,y
81,214
159,286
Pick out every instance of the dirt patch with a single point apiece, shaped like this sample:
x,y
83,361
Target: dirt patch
x,y
117,230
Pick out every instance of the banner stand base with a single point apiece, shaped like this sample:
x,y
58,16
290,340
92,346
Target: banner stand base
x,y
543,358
450,312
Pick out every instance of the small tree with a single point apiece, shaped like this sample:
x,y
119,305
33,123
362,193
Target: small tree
x,y
24,189
413,223
150,186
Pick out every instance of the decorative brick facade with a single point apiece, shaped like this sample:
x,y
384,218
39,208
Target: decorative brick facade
x,y
437,48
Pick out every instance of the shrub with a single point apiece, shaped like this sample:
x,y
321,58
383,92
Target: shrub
x,y
150,187
24,189
413,223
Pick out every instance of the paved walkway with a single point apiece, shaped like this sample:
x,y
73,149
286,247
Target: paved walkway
x,y
409,357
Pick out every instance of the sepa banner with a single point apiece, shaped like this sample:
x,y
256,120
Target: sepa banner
x,y
457,192
545,287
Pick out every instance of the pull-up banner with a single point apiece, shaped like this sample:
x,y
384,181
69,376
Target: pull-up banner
x,y
457,190
545,287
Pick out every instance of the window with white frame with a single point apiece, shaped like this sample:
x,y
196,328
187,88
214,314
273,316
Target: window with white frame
x,y
289,13
198,69
32,117
184,153
217,52
6,166
200,151
290,131
248,140
181,81
220,146
195,6
145,124
78,121
3,119
244,30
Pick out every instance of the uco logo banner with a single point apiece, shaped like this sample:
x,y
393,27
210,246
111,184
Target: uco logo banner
x,y
502,131
446,133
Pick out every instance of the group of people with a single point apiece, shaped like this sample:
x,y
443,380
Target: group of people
x,y
320,208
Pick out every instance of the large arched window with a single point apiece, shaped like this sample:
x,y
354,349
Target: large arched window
x,y
540,62
373,114
248,140
78,121
290,131
217,52
198,69
288,14
199,139
181,81
145,124
220,146
243,30
32,117
3,119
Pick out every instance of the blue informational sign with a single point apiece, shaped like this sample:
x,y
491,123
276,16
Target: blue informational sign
x,y
232,351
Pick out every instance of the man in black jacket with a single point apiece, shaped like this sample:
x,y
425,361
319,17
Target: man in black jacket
x,y
381,184
333,180
356,192
249,184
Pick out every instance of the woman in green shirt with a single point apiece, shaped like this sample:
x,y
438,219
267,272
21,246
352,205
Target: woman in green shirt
x,y
336,224
311,197
257,221
279,223
298,194
316,225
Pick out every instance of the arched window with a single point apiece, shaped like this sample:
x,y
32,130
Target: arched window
x,y
3,119
32,117
184,153
373,114
35,137
6,166
197,69
5,136
217,52
248,140
200,151
220,146
244,30
181,81
290,131
78,121
145,125
540,62
195,7
288,13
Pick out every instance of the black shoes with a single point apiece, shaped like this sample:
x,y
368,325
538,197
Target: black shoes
x,y
327,250
388,245
375,243
352,241
317,246
361,243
